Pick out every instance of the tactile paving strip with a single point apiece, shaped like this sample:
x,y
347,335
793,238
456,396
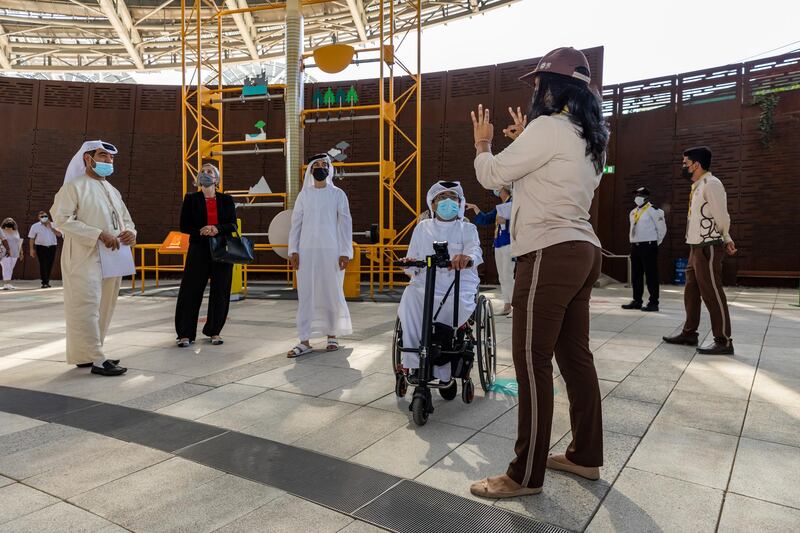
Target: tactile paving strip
x,y
413,507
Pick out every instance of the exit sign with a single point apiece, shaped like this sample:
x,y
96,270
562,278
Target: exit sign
x,y
609,169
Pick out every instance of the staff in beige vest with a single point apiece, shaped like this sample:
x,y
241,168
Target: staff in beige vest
x,y
555,165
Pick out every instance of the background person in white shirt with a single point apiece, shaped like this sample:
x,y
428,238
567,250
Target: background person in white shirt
x,y
10,248
43,243
648,229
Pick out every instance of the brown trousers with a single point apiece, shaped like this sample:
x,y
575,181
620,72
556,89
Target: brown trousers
x,y
551,315
704,281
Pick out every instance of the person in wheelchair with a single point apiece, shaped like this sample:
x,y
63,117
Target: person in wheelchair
x,y
446,201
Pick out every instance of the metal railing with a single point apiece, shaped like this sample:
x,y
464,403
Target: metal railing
x,y
375,266
611,255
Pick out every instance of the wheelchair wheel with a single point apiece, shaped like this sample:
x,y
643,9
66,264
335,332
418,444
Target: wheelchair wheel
x,y
486,341
397,344
400,385
468,391
420,406
450,392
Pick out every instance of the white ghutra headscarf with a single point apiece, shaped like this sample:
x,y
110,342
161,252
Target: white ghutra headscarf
x,y
442,186
76,165
308,177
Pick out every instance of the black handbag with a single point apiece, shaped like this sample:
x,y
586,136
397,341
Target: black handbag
x,y
234,249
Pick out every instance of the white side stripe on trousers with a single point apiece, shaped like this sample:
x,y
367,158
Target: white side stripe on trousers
x,y
716,293
529,360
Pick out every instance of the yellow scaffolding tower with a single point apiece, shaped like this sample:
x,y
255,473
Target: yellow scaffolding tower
x,y
202,55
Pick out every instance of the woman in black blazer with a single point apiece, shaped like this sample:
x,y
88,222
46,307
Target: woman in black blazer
x,y
198,214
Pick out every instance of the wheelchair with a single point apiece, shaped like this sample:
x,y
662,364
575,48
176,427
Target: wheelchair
x,y
443,344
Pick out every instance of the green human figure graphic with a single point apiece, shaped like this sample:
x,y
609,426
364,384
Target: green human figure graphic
x,y
352,96
329,99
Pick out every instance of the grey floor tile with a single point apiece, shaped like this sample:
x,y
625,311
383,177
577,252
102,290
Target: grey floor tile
x,y
357,526
211,401
18,500
352,433
703,411
365,390
481,456
242,372
506,425
288,514
622,352
123,500
767,471
68,478
775,388
5,481
156,400
773,423
290,416
643,502
730,385
744,515
629,417
10,423
281,376
644,389
611,370
205,507
617,449
688,454
410,450
50,454
57,519
324,379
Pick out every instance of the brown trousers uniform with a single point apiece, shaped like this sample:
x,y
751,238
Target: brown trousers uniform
x,y
704,281
551,315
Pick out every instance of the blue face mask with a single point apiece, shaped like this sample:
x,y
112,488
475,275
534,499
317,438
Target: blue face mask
x,y
447,209
103,170
496,192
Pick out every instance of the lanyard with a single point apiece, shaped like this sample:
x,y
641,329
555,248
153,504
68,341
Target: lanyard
x,y
114,216
638,213
691,197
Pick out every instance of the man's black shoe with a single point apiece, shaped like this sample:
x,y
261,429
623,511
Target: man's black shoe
x,y
717,348
682,338
109,369
633,305
650,308
87,365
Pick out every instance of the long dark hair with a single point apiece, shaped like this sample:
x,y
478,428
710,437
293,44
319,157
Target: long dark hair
x,y
585,110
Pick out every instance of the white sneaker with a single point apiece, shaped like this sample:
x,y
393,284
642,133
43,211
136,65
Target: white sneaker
x,y
10,287
6,287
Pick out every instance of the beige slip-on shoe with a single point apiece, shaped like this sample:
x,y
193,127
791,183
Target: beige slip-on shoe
x,y
481,488
560,462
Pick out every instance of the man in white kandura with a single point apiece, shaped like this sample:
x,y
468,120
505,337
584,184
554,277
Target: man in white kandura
x,y
320,247
446,202
90,213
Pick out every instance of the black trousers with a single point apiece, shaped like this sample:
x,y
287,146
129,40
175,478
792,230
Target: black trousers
x,y
46,256
199,268
644,264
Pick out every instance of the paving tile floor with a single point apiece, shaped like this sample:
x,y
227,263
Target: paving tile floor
x,y
692,443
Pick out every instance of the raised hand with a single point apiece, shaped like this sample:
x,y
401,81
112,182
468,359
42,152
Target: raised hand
x,y
482,128
520,121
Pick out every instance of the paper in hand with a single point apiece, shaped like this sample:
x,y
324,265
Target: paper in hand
x,y
116,263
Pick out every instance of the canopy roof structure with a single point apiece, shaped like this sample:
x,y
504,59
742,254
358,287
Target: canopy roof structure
x,y
140,35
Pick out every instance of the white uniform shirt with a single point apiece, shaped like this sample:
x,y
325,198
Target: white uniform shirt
x,y
708,218
44,236
651,225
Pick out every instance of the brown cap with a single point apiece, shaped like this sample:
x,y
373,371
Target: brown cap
x,y
564,61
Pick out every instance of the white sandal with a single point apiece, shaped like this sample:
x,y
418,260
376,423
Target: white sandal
x,y
332,342
300,349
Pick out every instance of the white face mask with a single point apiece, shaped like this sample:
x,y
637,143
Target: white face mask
x,y
639,200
